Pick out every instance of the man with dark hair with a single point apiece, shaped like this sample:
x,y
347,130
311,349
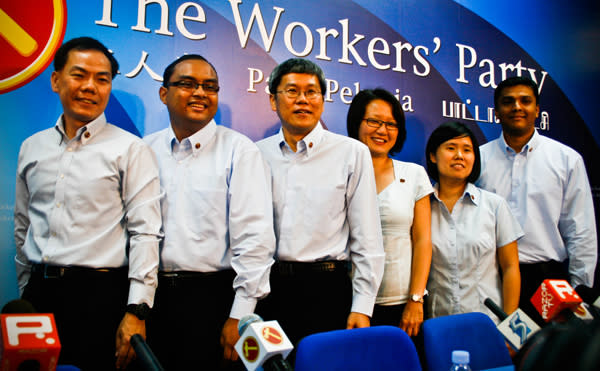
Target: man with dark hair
x,y
547,189
87,217
325,213
218,224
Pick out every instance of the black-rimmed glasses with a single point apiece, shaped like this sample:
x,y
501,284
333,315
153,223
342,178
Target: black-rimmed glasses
x,y
376,124
190,85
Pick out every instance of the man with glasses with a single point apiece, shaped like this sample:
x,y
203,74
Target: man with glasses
x,y
325,213
217,220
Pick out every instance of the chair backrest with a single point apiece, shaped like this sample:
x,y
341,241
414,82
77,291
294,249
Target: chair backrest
x,y
474,332
370,348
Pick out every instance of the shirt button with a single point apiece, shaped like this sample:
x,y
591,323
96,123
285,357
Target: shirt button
x,y
197,145
87,134
62,176
310,145
58,204
45,259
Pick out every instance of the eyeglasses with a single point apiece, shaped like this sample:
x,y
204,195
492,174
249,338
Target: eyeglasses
x,y
376,124
190,86
294,93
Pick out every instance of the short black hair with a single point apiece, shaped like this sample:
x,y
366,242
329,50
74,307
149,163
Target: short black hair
x,y
358,107
447,131
514,81
82,44
296,65
171,67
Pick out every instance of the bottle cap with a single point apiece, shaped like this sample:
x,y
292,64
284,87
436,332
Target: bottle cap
x,y
460,356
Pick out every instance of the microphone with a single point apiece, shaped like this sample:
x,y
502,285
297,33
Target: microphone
x,y
516,328
262,344
146,359
555,298
591,301
29,340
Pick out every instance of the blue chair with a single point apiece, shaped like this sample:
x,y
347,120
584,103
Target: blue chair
x,y
474,332
370,348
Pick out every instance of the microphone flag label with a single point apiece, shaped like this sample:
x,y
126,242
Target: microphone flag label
x,y
29,336
517,328
261,341
553,296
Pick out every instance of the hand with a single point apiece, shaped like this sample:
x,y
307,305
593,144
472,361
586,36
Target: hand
x,y
511,351
357,320
129,326
230,336
412,318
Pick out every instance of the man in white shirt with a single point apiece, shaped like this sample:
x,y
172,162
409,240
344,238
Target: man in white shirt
x,y
325,213
87,216
218,224
547,189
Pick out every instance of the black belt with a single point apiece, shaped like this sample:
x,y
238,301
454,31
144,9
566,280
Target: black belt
x,y
286,268
192,275
57,271
550,267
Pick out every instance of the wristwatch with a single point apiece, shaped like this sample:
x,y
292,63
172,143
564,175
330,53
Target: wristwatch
x,y
141,311
419,298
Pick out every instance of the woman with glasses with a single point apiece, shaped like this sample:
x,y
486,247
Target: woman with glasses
x,y
473,232
376,119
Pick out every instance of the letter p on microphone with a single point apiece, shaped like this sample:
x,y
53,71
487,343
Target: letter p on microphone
x,y
28,337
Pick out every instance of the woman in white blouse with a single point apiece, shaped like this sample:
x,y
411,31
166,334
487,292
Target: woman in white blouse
x,y
473,232
376,119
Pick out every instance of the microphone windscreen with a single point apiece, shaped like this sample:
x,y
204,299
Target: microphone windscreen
x,y
18,306
246,321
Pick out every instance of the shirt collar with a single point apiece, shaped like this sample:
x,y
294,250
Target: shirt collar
x,y
531,145
84,133
309,143
471,193
198,140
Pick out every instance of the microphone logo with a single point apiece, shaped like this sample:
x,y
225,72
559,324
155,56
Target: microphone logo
x,y
38,325
520,328
271,335
250,349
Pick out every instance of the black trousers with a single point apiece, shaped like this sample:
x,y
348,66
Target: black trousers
x,y
190,309
88,306
306,299
532,276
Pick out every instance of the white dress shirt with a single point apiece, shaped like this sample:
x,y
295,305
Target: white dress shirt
x,y
397,210
464,265
325,206
92,201
547,189
217,209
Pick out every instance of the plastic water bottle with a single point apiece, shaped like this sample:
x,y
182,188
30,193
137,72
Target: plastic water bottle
x,y
460,361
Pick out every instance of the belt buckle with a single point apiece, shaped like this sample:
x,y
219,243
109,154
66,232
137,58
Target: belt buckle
x,y
328,266
60,272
